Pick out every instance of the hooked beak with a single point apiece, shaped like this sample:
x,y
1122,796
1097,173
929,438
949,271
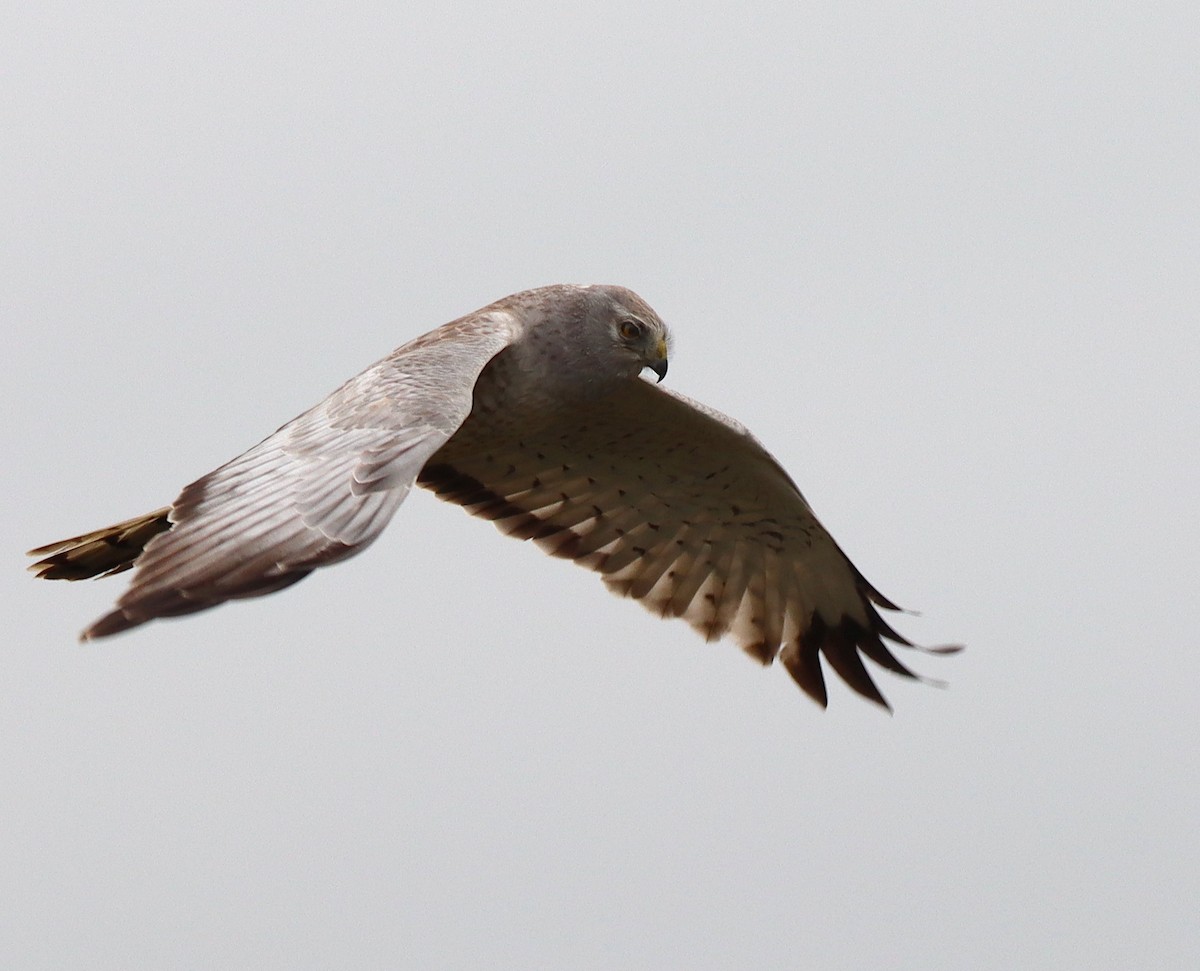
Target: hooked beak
x,y
659,367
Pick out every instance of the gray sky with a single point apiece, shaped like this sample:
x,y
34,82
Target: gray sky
x,y
942,260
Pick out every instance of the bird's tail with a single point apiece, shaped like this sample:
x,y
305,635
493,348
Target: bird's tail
x,y
101,553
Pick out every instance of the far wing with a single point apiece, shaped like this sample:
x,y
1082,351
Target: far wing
x,y
682,509
319,489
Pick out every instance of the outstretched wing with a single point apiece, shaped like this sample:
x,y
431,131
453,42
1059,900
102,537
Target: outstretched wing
x,y
319,489
679,507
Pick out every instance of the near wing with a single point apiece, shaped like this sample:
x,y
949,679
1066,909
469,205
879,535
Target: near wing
x,y
682,509
318,490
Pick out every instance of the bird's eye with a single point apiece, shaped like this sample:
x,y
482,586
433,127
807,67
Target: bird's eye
x,y
631,330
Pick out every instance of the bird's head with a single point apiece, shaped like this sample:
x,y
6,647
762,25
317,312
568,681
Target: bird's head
x,y
637,333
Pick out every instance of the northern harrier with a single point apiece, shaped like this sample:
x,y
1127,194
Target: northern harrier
x,y
530,413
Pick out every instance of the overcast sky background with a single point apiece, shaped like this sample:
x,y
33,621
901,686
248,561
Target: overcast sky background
x,y
941,258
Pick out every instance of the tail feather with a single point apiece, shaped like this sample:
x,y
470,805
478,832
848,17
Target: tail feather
x,y
101,553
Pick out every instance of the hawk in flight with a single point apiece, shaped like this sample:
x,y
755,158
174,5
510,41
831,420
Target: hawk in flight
x,y
529,412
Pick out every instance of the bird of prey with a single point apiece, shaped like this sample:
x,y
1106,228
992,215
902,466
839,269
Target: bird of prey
x,y
530,412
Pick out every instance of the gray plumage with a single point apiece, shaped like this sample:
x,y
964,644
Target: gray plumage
x,y
529,412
